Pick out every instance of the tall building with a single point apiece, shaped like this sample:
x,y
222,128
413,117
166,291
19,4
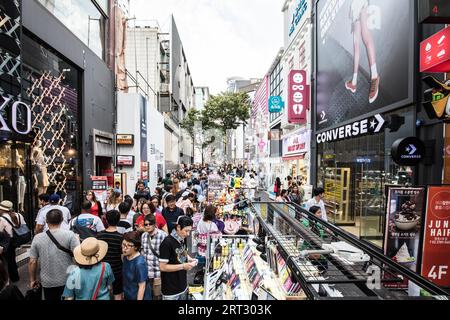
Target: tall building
x,y
143,47
157,63
296,57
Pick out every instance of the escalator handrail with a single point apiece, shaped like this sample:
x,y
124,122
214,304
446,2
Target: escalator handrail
x,y
424,283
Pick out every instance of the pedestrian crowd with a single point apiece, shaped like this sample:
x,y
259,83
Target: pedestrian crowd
x,y
126,247
131,247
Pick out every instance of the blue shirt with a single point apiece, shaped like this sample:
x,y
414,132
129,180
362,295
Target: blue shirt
x,y
134,272
82,283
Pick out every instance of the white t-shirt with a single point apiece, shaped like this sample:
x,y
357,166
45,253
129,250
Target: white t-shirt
x,y
206,227
183,185
89,221
312,202
123,230
130,216
5,226
42,215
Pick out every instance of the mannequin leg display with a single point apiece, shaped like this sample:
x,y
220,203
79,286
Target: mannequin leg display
x,y
21,188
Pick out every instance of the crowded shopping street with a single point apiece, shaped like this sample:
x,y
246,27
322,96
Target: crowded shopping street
x,y
191,151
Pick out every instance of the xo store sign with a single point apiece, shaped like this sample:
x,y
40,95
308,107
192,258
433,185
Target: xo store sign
x,y
19,111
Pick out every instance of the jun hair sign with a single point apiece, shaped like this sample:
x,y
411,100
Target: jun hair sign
x,y
436,243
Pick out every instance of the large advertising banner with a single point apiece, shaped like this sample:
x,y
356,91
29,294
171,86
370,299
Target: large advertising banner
x,y
436,243
403,223
364,58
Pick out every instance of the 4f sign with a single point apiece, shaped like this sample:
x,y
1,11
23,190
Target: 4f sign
x,y
17,108
298,93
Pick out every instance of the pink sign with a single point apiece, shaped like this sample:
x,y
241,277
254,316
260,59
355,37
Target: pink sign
x,y
298,97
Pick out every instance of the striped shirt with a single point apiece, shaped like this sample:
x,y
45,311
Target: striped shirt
x,y
151,260
113,256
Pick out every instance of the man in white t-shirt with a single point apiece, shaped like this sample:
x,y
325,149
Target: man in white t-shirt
x,y
317,200
41,224
126,218
88,220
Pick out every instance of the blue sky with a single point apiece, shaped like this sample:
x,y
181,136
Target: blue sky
x,y
222,38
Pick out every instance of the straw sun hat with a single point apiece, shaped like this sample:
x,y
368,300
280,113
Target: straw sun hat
x,y
91,251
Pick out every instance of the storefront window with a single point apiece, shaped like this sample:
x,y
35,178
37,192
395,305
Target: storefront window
x,y
51,87
82,18
354,174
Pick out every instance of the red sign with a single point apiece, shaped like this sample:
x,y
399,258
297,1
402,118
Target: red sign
x,y
125,161
298,97
435,52
296,147
436,243
99,187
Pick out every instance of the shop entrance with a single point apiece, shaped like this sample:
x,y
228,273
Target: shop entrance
x,y
369,200
16,177
104,167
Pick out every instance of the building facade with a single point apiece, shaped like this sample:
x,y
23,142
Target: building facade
x,y
157,64
63,79
297,56
356,166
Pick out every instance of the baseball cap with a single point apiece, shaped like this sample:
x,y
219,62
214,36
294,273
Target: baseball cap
x,y
54,198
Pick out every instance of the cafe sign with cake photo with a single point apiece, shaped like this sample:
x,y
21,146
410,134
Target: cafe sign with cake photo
x,y
404,212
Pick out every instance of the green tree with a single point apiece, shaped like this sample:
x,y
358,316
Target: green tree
x,y
227,111
196,125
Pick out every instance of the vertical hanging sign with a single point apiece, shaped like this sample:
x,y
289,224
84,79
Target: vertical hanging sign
x,y
298,97
403,228
436,243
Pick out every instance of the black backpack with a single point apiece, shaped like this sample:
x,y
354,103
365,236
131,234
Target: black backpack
x,y
21,234
83,232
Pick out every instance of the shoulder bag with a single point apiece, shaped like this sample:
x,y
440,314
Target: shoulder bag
x,y
151,247
99,282
21,234
58,245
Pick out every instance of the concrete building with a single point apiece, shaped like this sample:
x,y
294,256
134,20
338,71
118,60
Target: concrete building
x,y
143,46
157,62
142,160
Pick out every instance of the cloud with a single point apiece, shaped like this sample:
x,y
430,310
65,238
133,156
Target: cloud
x,y
221,38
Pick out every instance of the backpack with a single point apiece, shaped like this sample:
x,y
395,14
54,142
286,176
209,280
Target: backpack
x,y
83,232
21,234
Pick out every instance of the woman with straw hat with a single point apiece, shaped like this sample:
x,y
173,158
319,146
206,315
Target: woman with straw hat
x,y
92,279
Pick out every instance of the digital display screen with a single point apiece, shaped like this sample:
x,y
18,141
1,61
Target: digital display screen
x,y
434,11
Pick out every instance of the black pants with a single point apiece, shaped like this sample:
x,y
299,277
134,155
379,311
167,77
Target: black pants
x,y
12,264
53,294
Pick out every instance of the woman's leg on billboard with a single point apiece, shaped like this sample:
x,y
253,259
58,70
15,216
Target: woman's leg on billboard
x,y
371,53
352,85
